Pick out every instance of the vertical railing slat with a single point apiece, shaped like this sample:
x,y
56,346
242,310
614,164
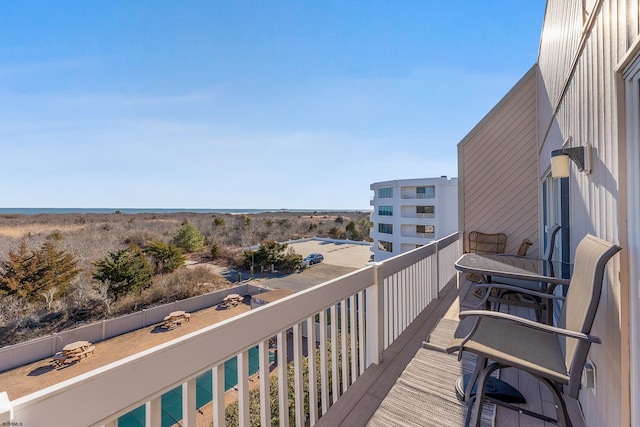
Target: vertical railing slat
x,y
313,378
354,343
361,332
297,375
218,395
283,388
189,403
335,374
386,322
397,300
344,335
153,412
324,364
265,397
243,388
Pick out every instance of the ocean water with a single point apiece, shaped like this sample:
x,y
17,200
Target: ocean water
x,y
37,211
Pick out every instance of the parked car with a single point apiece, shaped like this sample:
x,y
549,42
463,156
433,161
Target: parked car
x,y
313,259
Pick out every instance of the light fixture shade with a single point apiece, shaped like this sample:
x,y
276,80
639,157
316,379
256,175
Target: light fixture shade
x,y
560,166
560,160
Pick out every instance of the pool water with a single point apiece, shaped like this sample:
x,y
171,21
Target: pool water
x,y
171,401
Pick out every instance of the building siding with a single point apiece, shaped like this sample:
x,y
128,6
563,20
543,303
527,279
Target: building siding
x,y
499,169
577,59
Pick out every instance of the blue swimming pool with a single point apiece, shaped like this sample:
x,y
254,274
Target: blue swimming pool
x,y
171,401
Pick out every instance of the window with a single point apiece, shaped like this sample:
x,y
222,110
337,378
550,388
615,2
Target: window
x,y
385,193
426,192
385,228
385,210
385,246
425,230
425,211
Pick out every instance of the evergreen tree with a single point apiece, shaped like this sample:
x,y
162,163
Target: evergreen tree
x,y
29,274
352,232
165,258
125,271
189,238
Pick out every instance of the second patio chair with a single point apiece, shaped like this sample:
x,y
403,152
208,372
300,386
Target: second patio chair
x,y
554,355
524,293
485,243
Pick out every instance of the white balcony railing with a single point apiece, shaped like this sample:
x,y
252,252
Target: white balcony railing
x,y
349,321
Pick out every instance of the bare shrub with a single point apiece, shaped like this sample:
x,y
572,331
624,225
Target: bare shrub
x,y
188,282
91,237
141,238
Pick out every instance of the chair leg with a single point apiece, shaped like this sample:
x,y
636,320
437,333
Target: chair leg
x,y
481,363
561,406
476,419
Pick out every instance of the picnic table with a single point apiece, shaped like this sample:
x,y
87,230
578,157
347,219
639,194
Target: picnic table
x,y
232,300
175,318
72,352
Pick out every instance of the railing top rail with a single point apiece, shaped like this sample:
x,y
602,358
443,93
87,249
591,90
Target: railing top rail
x,y
184,357
187,357
399,262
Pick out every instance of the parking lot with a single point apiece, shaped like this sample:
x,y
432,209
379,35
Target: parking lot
x,y
339,259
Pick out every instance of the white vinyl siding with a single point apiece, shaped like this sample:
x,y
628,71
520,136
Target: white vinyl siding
x,y
576,59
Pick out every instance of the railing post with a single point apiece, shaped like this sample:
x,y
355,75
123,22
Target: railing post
x,y
375,316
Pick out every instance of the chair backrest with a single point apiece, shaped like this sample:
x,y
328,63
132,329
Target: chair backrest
x,y
524,247
583,296
484,243
551,241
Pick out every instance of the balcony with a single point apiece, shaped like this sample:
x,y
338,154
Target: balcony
x,y
366,327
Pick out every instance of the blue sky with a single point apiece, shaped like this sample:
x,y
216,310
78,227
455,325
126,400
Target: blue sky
x,y
246,104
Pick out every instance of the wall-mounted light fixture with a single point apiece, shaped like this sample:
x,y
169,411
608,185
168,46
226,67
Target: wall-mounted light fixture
x,y
560,159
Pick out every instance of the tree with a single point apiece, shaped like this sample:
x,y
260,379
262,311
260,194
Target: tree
x,y
336,233
351,231
165,258
189,238
272,253
364,225
32,274
215,251
126,270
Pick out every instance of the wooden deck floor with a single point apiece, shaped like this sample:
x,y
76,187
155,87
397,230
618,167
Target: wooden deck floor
x,y
361,400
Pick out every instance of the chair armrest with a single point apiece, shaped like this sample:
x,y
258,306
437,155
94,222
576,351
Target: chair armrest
x,y
519,290
563,282
530,323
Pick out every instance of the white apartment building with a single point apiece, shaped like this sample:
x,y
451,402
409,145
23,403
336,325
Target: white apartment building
x,y
409,213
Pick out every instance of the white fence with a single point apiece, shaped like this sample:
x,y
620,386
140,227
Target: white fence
x,y
364,311
41,348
